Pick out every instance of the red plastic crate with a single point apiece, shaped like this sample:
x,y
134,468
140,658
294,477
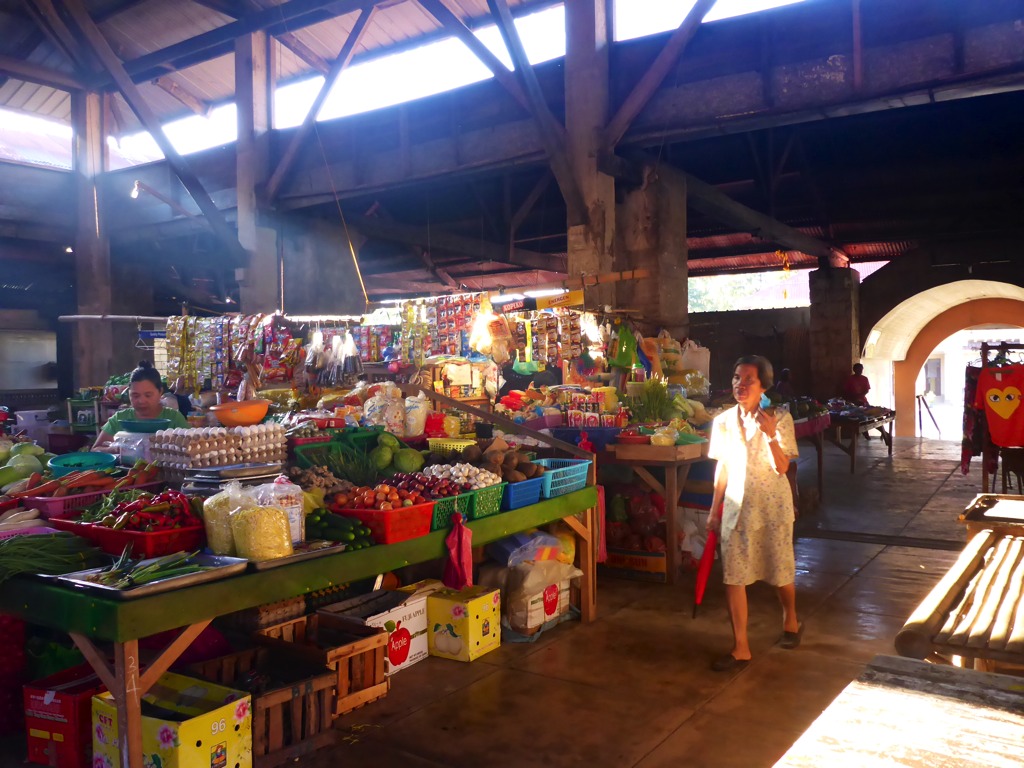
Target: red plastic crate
x,y
58,717
56,507
151,544
390,526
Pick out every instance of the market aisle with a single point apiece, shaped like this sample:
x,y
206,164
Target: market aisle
x,y
634,688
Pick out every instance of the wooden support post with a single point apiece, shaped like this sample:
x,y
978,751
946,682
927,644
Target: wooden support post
x,y
591,243
254,89
93,342
127,695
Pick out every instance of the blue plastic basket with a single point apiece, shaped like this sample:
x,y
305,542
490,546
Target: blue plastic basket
x,y
522,494
563,476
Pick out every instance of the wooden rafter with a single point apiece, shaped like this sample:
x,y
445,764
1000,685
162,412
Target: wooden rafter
x,y
24,49
656,73
528,204
552,132
424,237
184,95
52,25
712,202
439,272
288,16
236,9
33,73
457,27
98,44
338,66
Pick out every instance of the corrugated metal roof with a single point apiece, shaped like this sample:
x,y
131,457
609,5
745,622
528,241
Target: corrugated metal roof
x,y
153,25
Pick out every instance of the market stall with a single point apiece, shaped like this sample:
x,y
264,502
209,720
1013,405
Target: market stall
x,y
848,424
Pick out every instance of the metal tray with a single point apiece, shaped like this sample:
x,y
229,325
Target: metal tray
x,y
238,471
219,568
303,552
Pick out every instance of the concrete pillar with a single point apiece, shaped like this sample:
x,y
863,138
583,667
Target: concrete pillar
x,y
319,276
591,243
835,334
92,342
260,283
651,227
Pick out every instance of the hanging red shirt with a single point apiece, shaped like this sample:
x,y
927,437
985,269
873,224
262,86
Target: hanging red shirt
x,y
999,394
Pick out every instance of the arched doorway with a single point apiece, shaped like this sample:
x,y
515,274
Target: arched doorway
x,y
898,346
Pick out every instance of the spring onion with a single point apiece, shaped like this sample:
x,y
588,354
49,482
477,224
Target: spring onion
x,y
48,553
125,573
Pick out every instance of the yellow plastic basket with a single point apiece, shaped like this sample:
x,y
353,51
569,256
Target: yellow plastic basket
x,y
448,446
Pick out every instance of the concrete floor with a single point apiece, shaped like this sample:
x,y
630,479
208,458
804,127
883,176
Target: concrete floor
x,y
635,689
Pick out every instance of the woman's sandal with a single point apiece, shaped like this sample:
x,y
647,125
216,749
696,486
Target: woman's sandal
x,y
728,663
791,640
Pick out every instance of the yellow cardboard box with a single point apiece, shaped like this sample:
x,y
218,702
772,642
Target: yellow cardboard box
x,y
464,624
216,729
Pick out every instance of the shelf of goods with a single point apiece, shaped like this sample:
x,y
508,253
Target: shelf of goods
x,y
89,617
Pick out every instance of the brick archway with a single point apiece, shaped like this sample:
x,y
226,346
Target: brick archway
x,y
966,315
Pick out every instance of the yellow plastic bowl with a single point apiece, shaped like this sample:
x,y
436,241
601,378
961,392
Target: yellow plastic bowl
x,y
241,414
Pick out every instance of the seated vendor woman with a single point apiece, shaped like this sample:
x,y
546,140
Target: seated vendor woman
x,y
144,391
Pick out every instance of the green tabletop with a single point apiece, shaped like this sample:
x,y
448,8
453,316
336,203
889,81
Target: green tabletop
x,y
103,618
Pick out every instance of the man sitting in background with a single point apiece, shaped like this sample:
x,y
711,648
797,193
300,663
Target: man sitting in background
x,y
856,387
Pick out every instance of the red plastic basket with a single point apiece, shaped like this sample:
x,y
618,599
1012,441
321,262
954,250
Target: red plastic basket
x,y
60,506
390,526
152,544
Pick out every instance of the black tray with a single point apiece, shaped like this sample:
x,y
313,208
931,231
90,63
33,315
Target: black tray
x,y
304,551
238,471
219,567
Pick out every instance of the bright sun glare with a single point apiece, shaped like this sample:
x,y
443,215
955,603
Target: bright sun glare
x,y
412,74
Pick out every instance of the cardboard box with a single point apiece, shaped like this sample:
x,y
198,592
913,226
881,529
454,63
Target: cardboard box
x,y
403,614
464,624
58,717
217,732
534,610
635,564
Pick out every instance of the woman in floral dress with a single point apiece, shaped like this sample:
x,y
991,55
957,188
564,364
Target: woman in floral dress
x,y
752,506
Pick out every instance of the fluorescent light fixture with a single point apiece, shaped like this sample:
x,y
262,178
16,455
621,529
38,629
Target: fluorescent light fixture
x,y
546,292
508,297
135,190
69,249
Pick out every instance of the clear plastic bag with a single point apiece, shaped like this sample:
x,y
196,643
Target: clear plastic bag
x,y
261,533
217,518
284,494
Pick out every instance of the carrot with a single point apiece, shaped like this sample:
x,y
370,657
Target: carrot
x,y
33,480
95,480
60,491
40,490
77,481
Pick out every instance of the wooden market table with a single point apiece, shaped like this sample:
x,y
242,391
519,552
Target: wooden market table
x,y
813,428
88,617
676,461
882,423
917,715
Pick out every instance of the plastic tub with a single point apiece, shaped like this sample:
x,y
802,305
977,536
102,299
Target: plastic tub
x,y
62,506
78,461
145,426
390,526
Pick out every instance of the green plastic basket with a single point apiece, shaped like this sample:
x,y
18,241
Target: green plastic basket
x,y
445,508
486,501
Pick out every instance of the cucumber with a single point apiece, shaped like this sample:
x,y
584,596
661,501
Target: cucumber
x,y
338,522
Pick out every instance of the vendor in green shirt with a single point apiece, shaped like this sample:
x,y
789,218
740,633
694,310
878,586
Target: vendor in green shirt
x,y
144,391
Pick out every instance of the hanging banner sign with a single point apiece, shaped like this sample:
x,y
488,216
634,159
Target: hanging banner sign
x,y
569,299
149,335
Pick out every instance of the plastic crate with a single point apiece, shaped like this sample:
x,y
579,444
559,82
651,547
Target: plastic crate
x,y
445,508
563,476
522,494
486,501
448,446
61,506
390,526
144,544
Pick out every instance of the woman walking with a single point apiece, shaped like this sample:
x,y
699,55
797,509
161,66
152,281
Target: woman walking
x,y
752,506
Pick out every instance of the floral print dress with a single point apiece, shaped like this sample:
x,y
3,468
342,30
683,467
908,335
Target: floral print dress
x,y
757,515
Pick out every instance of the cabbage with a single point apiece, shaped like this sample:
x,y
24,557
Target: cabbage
x,y
25,464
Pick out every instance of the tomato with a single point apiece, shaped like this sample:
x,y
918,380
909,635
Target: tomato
x,y
384,505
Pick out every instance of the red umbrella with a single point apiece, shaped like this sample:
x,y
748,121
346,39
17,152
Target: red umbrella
x,y
707,559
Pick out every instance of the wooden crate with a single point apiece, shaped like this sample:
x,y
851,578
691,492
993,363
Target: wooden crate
x,y
266,615
355,652
289,721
